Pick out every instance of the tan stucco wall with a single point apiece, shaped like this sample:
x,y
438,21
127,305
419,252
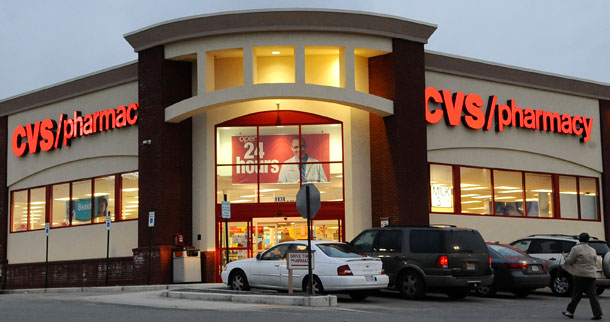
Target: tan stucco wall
x,y
518,149
89,156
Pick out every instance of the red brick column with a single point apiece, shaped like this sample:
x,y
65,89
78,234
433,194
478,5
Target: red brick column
x,y
4,207
604,113
399,162
165,165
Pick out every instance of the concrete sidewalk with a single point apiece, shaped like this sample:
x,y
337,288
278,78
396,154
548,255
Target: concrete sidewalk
x,y
210,292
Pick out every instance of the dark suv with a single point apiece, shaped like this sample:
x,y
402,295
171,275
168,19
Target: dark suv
x,y
420,259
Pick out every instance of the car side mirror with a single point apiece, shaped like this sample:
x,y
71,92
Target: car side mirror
x,y
258,256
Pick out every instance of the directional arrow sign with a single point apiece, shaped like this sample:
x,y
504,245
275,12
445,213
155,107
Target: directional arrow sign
x,y
314,200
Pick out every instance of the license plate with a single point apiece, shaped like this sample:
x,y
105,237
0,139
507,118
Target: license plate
x,y
535,268
369,278
470,266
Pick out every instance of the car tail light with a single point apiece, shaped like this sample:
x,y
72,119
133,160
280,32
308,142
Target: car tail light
x,y
489,260
344,270
545,266
520,265
442,261
382,271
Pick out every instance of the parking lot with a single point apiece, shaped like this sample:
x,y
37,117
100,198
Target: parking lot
x,y
383,306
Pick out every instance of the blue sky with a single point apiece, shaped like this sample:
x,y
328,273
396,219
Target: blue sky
x,y
46,42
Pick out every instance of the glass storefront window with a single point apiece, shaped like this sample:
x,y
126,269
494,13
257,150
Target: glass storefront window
x,y
20,210
475,189
237,145
587,192
237,192
329,230
81,202
324,142
60,194
130,196
508,193
103,202
567,197
38,213
539,195
441,188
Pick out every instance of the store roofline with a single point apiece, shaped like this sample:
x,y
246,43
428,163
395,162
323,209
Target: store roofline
x,y
279,20
490,71
78,86
435,61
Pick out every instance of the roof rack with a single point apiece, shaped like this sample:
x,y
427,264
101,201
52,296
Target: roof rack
x,y
560,235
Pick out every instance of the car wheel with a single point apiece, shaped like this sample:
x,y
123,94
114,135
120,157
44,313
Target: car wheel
x,y
239,282
522,293
561,284
359,295
317,285
600,290
458,293
411,285
486,291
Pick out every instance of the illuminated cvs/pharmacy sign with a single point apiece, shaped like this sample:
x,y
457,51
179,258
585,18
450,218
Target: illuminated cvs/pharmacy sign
x,y
456,108
49,134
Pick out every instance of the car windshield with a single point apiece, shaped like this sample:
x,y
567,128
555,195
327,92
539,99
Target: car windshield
x,y
600,247
506,251
340,250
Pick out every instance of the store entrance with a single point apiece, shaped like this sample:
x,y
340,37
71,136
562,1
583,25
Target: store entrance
x,y
252,237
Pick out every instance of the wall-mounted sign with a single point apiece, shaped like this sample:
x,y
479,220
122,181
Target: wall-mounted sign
x,y
459,108
49,134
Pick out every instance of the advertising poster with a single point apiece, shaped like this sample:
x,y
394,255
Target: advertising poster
x,y
273,152
81,208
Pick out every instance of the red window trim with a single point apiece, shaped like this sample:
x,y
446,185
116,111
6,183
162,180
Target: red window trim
x,y
49,196
555,186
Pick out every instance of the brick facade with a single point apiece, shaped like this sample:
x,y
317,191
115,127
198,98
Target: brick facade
x,y
399,164
604,113
4,207
80,273
165,165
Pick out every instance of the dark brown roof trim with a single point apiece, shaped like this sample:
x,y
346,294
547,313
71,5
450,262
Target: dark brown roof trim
x,y
86,84
280,20
516,76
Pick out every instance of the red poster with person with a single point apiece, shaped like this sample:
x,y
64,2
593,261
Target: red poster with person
x,y
271,154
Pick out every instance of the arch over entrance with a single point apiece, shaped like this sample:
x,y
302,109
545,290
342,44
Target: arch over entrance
x,y
262,159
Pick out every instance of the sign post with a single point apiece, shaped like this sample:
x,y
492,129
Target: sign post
x,y
151,224
296,259
308,204
108,220
226,214
46,261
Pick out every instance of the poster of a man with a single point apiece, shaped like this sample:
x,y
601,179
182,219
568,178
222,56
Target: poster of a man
x,y
308,172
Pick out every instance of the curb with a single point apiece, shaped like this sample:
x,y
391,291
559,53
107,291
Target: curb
x,y
314,301
108,289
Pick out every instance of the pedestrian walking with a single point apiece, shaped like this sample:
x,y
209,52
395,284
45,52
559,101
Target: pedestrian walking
x,y
581,262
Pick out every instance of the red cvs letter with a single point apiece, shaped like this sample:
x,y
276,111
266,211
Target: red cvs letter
x,y
453,107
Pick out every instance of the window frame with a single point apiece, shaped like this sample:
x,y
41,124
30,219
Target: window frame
x,y
118,195
556,206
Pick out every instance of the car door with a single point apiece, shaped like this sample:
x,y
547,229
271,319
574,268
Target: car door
x,y
266,269
389,249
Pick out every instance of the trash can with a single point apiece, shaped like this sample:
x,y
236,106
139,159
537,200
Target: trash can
x,y
187,265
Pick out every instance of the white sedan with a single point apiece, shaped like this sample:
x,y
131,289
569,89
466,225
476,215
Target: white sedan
x,y
338,268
